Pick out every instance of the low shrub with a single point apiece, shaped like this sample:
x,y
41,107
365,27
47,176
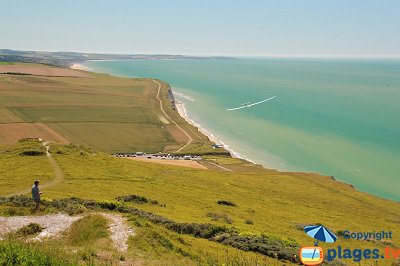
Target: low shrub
x,y
13,211
32,153
136,199
226,203
109,205
265,245
248,221
30,229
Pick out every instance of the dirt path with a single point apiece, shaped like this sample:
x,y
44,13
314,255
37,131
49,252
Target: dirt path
x,y
54,224
58,175
220,166
190,139
120,231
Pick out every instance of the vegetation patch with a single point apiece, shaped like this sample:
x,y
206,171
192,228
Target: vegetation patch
x,y
30,229
226,203
220,217
32,153
136,199
88,230
94,227
248,221
17,253
265,245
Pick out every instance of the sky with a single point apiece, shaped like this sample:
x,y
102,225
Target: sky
x,y
333,28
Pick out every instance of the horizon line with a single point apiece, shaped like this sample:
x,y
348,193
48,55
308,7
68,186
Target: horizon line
x,y
328,56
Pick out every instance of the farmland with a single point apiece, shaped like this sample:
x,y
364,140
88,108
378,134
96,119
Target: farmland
x,y
107,113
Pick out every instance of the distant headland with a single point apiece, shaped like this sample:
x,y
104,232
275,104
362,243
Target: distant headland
x,y
67,59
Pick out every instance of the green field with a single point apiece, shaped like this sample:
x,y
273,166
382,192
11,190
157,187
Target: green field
x,y
107,113
268,202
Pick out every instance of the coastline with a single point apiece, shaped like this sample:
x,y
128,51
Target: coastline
x,y
180,107
182,110
79,66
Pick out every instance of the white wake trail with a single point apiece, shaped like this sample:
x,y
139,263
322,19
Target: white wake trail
x,y
250,105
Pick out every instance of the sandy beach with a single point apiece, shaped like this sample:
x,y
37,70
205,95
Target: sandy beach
x,y
78,66
180,106
184,163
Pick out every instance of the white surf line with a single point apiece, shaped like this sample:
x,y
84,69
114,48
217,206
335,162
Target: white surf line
x,y
250,105
190,139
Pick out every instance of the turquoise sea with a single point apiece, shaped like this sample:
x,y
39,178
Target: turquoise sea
x,y
338,117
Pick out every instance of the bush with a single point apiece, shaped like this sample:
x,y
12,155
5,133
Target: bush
x,y
29,229
32,153
17,201
108,205
248,221
136,199
226,203
265,245
197,230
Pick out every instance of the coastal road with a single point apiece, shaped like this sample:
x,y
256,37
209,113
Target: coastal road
x,y
58,175
190,139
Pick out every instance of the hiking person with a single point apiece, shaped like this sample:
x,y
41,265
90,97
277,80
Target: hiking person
x,y
36,195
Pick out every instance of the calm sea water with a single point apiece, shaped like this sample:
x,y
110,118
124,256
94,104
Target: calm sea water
x,y
335,117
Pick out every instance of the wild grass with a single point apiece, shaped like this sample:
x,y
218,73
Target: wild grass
x,y
88,230
158,246
275,203
18,171
13,252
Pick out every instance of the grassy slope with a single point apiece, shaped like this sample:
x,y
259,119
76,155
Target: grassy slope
x,y
277,203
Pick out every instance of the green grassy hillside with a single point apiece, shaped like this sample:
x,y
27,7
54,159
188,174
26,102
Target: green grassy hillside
x,y
270,203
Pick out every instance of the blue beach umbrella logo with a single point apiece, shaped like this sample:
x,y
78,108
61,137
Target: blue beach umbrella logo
x,y
312,256
320,233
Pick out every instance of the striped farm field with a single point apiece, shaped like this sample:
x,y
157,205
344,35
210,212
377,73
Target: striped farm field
x,y
108,113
